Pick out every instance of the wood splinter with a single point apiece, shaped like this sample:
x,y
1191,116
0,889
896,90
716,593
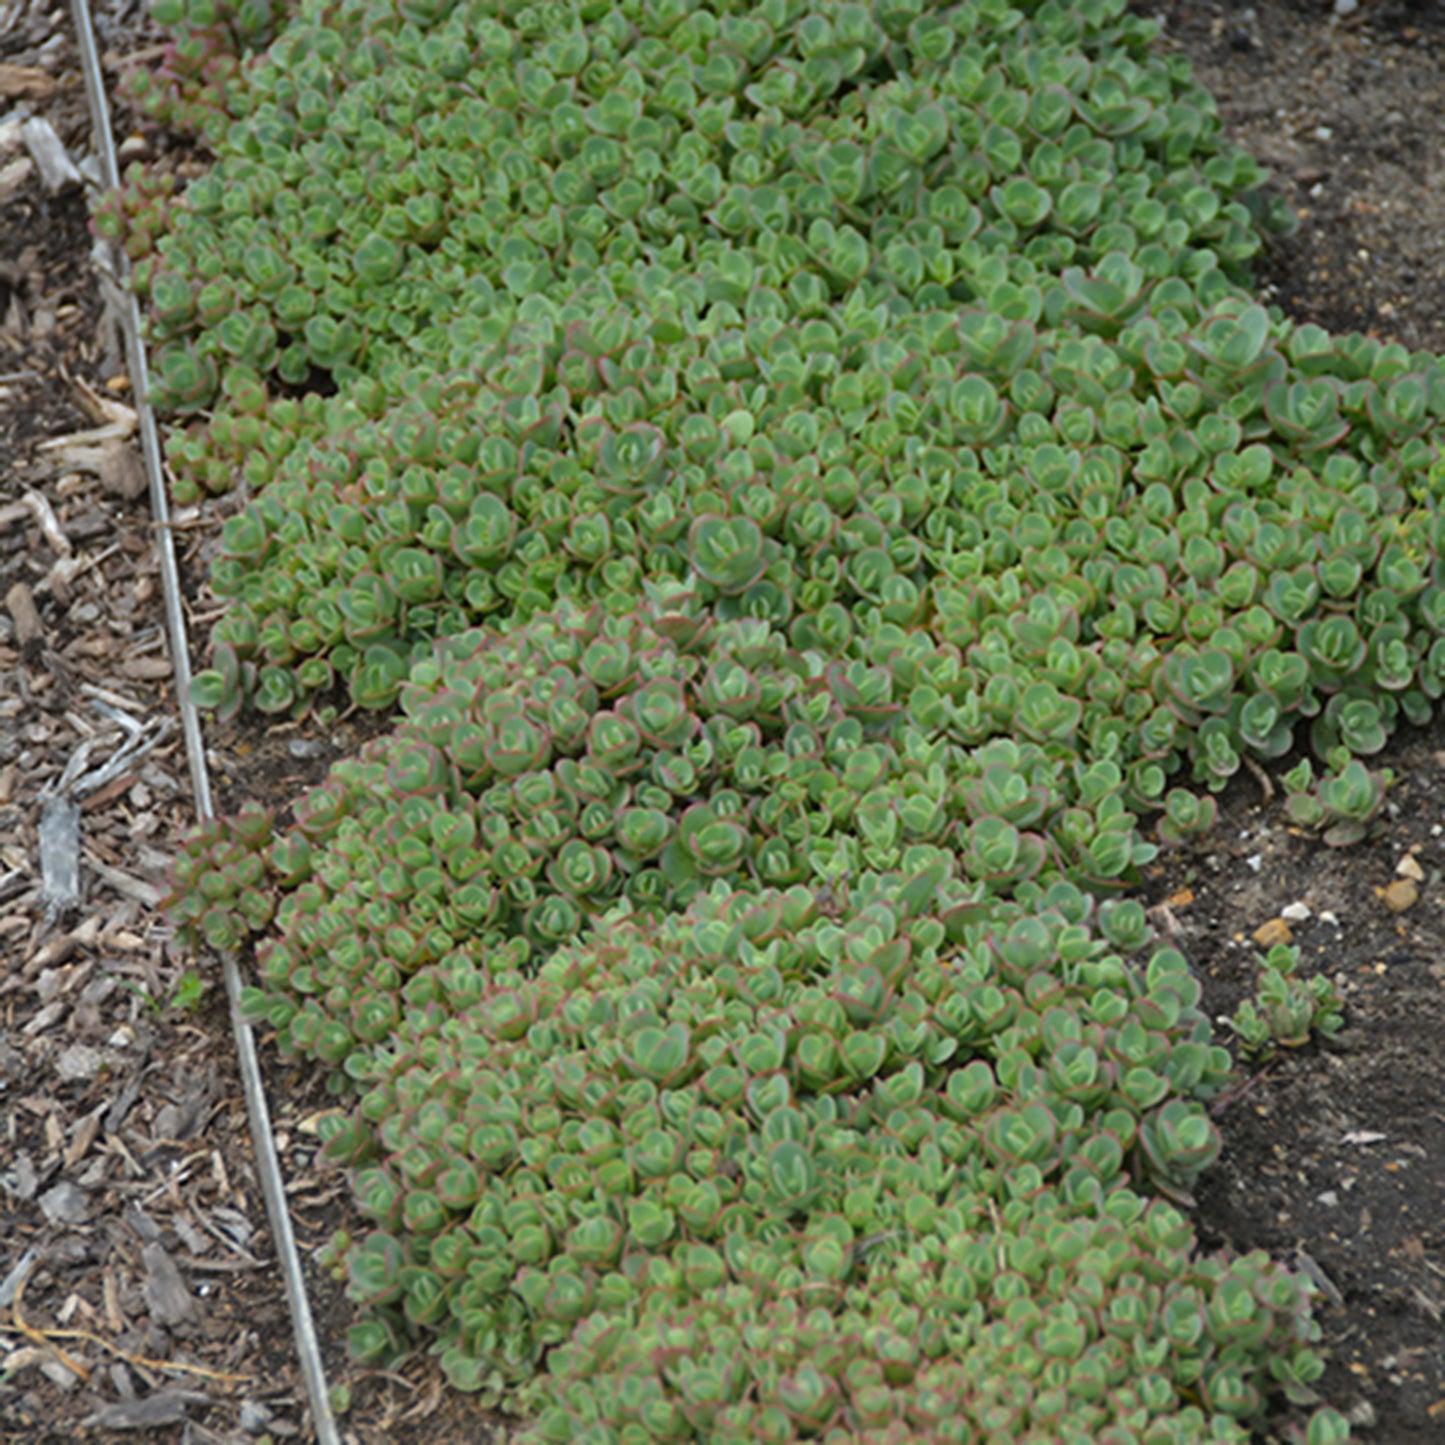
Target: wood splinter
x,y
29,629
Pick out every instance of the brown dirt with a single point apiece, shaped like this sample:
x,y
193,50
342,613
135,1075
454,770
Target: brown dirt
x,y
1349,114
124,1158
1334,1158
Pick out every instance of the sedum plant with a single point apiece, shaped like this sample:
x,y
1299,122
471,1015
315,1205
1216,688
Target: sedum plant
x,y
534,155
451,508
749,1122
545,773
810,480
1286,1011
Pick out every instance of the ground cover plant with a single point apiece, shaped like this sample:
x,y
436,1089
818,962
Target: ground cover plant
x,y
813,481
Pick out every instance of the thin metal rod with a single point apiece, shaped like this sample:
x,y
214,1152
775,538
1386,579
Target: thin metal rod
x,y
262,1138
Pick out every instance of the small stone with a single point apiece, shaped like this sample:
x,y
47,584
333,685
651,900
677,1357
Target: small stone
x,y
1329,1198
1255,862
254,1416
1328,915
1409,867
79,1061
1271,933
1345,8
1362,1415
1295,912
1402,894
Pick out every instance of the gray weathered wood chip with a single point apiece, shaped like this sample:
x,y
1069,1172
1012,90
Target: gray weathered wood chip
x,y
167,1407
166,1295
60,854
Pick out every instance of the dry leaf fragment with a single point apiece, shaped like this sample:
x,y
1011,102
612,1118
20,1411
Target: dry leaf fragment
x,y
46,520
27,1357
184,1120
194,1239
1317,1276
146,894
47,150
80,450
146,669
13,176
10,129
60,854
10,1285
121,472
45,1018
24,82
84,1135
110,416
29,630
110,1294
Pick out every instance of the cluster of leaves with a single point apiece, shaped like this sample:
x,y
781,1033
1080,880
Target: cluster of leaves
x,y
188,90
758,1172
224,883
544,773
810,477
1287,1010
1134,417
1208,590
388,177
721,1115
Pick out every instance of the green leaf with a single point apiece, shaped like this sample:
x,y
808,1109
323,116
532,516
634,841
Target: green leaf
x,y
659,1054
793,1179
726,551
651,1225
377,260
863,1055
1025,204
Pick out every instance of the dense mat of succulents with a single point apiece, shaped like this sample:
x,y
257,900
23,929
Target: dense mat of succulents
x,y
813,479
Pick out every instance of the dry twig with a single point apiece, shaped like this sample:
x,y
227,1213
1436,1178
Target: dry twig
x,y
1260,776
41,1337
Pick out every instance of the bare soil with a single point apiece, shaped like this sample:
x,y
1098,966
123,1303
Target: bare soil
x,y
138,1288
1349,115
